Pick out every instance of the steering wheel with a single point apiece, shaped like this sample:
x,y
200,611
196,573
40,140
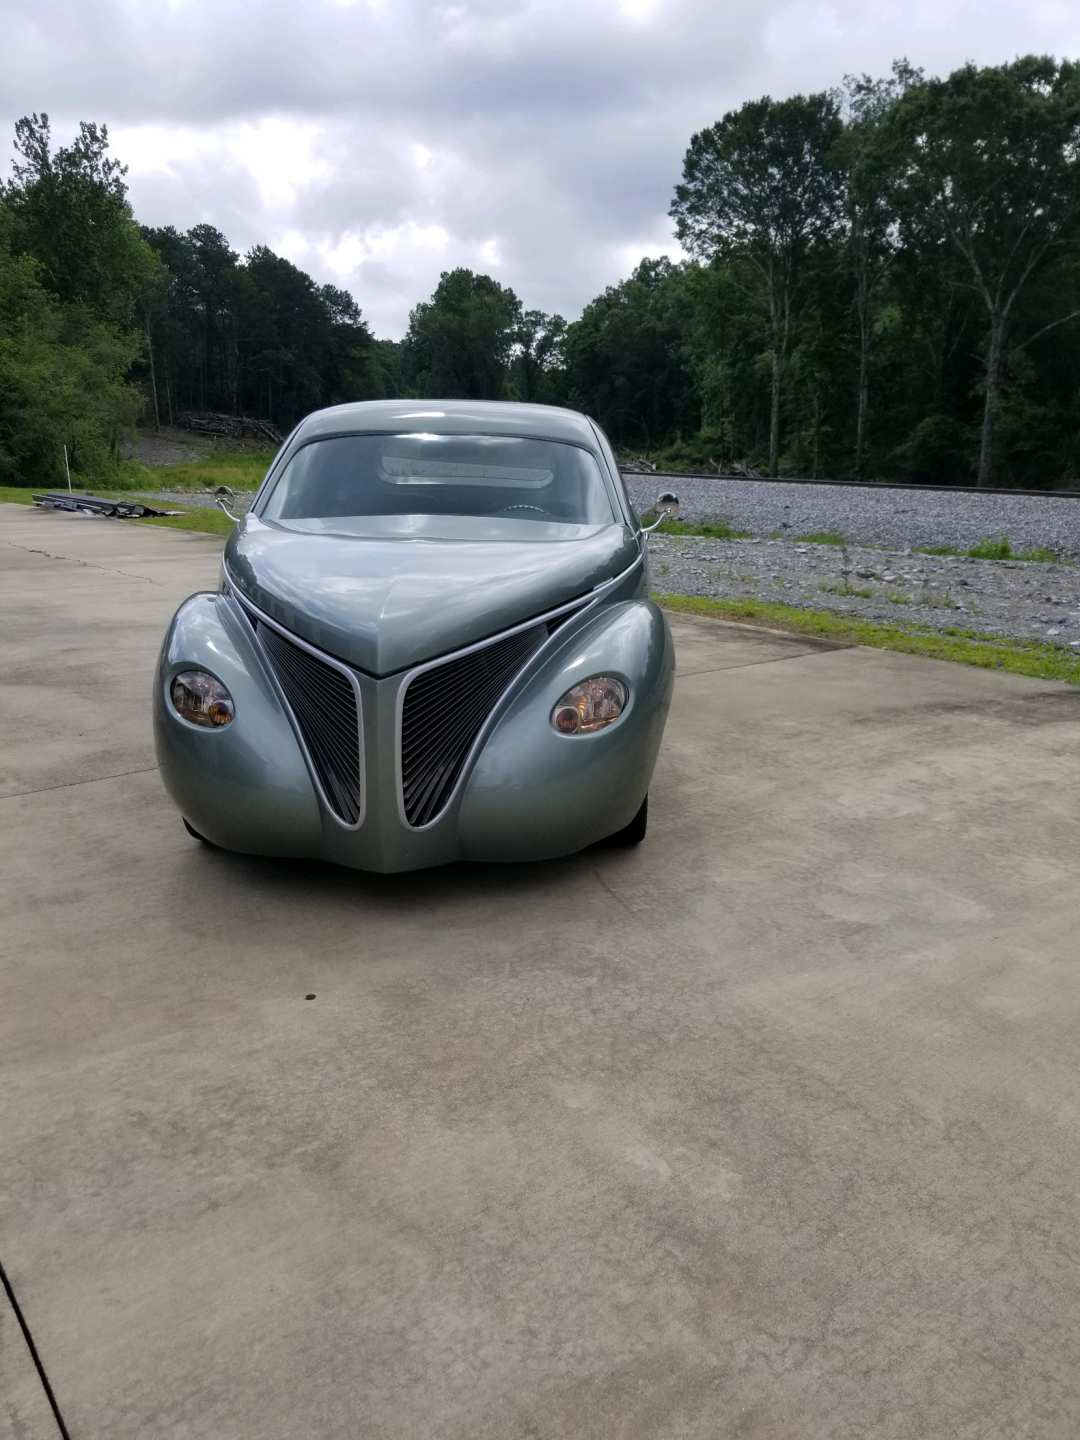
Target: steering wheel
x,y
507,508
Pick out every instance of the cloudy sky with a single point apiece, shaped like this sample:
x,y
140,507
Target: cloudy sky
x,y
379,142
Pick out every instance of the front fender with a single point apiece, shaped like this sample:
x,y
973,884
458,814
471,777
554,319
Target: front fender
x,y
535,793
246,786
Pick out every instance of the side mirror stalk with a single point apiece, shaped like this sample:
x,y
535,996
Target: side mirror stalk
x,y
667,508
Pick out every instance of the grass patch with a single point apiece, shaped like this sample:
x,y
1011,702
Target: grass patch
x,y
1018,657
822,537
206,518
994,548
708,529
991,549
239,469
894,597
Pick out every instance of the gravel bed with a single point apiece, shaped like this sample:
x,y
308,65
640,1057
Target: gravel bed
x,y
994,597
872,516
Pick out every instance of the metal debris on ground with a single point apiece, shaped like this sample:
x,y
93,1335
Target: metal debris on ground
x,y
93,505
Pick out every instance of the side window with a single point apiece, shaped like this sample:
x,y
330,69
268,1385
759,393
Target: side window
x,y
616,477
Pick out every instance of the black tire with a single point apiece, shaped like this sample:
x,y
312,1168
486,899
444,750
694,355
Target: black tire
x,y
634,833
194,833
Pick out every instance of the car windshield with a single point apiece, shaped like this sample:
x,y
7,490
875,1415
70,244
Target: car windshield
x,y
453,475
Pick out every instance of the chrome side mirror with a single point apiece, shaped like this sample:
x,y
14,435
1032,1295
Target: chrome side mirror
x,y
666,507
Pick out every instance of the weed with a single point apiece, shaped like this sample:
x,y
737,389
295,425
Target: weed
x,y
939,599
895,597
822,537
847,589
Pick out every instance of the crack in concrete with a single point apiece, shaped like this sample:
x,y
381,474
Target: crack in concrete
x,y
772,660
35,1354
71,784
74,560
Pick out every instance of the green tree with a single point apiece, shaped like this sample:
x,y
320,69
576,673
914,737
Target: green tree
x,y
625,358
871,241
987,164
62,378
350,364
69,210
460,342
538,364
760,190
74,268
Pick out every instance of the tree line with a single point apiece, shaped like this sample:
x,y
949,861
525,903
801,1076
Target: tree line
x,y
882,280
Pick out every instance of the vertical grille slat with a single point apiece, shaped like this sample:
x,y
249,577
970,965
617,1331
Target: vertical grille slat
x,y
443,711
324,704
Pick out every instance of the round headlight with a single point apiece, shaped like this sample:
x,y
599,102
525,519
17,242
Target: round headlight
x,y
202,700
589,706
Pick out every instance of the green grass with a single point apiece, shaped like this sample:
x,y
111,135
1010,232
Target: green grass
x,y
240,470
822,537
994,548
1019,657
710,529
206,518
895,597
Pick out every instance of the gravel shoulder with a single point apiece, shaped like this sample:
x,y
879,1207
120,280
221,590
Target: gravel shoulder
x,y
870,515
993,597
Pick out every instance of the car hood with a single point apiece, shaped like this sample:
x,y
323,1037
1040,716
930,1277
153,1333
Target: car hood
x,y
383,602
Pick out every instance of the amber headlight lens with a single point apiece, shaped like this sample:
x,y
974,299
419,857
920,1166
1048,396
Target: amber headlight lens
x,y
201,699
596,702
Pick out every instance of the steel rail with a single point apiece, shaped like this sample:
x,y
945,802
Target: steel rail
x,y
875,485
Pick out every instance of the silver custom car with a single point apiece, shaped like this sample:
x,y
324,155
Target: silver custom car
x,y
432,641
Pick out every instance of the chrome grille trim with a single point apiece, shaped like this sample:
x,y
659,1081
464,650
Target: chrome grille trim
x,y
322,698
431,766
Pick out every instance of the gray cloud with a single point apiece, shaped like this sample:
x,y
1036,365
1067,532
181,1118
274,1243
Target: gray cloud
x,y
381,142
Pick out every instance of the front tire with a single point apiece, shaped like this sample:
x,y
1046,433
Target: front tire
x,y
634,833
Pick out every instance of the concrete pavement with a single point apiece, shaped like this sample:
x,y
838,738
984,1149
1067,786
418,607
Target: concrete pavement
x,y
768,1129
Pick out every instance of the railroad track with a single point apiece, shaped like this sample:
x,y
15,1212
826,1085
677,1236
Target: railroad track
x,y
876,486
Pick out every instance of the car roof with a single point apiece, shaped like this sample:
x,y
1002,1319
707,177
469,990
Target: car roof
x,y
451,417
